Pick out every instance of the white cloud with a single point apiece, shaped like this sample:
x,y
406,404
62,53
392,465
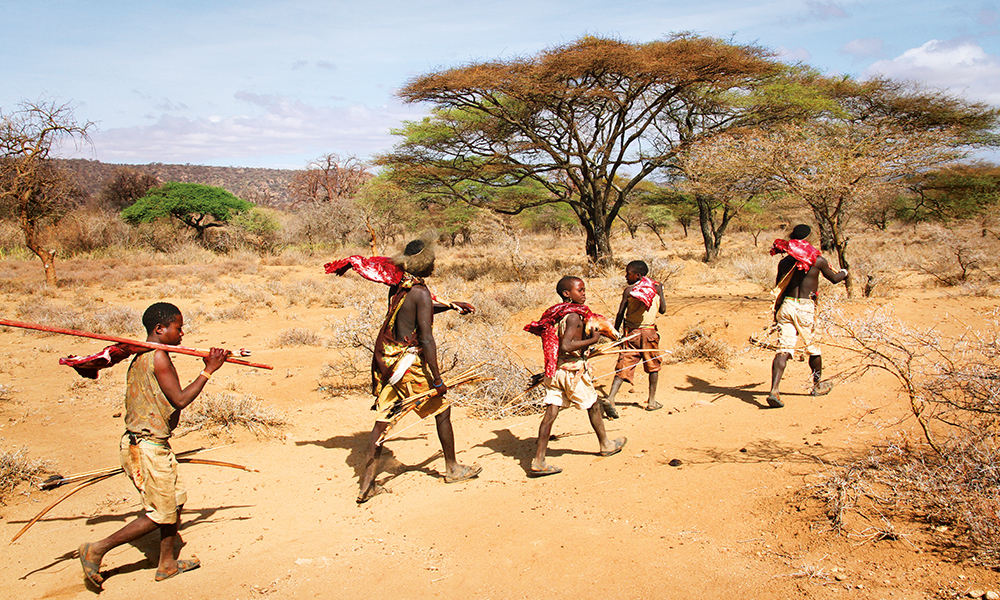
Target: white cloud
x,y
287,134
960,65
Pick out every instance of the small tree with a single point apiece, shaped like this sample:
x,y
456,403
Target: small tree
x,y
126,187
387,210
328,178
33,191
197,206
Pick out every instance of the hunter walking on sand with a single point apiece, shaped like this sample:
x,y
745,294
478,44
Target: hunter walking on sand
x,y
405,365
642,300
153,403
795,307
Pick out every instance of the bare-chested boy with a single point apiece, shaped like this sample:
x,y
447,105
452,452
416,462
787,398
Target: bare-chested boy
x,y
571,385
405,347
795,307
153,402
642,300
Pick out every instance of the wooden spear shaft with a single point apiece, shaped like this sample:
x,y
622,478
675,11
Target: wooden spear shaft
x,y
118,340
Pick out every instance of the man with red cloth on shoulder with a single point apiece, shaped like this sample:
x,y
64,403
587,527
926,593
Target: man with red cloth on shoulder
x,y
795,307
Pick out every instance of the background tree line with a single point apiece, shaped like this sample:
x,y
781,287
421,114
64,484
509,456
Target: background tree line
x,y
584,137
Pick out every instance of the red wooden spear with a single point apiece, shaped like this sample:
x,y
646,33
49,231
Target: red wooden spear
x,y
118,340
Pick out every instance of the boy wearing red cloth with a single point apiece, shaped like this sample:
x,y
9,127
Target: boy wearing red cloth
x,y
795,308
641,301
568,381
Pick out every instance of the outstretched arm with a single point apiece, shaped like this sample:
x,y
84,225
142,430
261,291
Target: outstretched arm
x,y
166,376
831,275
663,302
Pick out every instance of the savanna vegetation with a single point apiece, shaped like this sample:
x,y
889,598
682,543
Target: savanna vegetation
x,y
594,145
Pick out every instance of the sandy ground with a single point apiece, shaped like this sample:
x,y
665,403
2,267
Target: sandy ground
x,y
733,519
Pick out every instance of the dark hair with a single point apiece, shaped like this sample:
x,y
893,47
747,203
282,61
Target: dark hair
x,y
638,267
160,313
565,283
414,247
800,232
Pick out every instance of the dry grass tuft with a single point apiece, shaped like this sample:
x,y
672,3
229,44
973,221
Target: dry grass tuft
x,y
6,393
96,318
218,413
297,336
698,344
16,468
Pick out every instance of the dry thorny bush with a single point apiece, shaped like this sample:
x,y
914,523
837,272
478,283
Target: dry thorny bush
x,y
462,342
948,478
222,412
698,343
16,467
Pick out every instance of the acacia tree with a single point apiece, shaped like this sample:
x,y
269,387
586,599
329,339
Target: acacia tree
x,y
880,132
959,191
574,119
726,175
197,206
328,178
32,190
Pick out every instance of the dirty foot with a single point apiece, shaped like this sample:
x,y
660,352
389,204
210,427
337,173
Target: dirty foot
x,y
542,469
616,447
774,401
610,412
463,473
822,388
183,566
374,490
91,568
653,405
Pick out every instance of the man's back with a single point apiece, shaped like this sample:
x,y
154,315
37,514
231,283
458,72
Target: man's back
x,y
804,284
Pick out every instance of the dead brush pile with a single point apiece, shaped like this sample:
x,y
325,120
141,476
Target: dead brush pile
x,y
463,341
223,412
948,480
15,468
698,343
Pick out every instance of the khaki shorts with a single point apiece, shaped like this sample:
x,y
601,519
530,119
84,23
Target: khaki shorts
x,y
155,476
796,319
559,393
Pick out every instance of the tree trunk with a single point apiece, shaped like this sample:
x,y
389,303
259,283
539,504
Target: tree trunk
x,y
840,245
48,257
598,245
826,242
710,233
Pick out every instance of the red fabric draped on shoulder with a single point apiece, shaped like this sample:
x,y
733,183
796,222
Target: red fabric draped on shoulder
x,y
379,269
803,252
545,327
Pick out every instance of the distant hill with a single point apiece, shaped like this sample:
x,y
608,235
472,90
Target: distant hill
x,y
262,186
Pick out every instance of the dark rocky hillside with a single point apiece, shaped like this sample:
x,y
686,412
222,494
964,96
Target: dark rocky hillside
x,y
262,186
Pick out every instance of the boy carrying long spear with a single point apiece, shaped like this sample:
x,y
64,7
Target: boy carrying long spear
x,y
153,402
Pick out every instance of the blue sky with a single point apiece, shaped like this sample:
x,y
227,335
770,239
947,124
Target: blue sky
x,y
280,82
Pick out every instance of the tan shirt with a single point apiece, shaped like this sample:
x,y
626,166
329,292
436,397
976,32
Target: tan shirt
x,y
636,314
148,413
